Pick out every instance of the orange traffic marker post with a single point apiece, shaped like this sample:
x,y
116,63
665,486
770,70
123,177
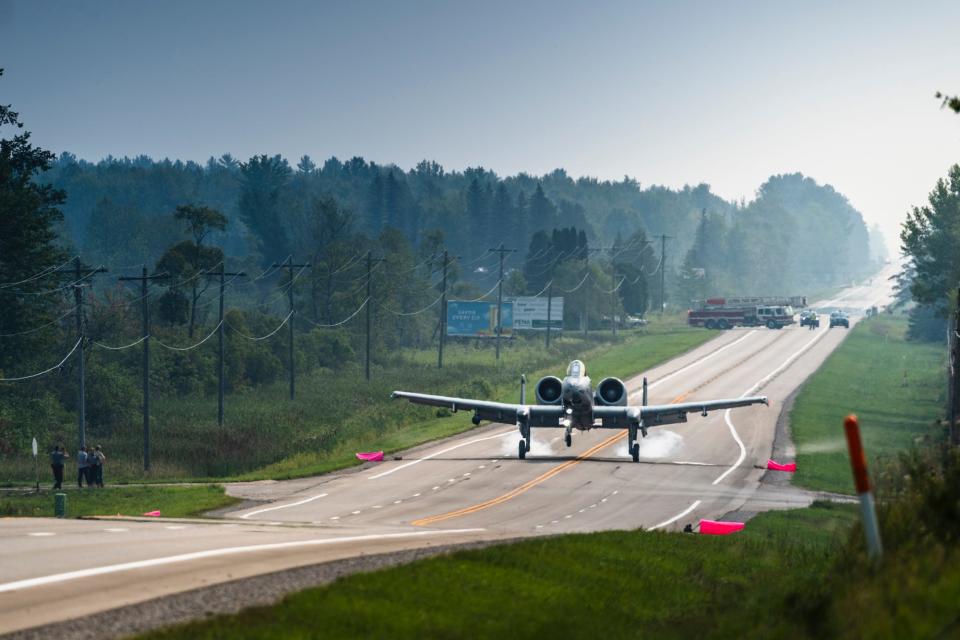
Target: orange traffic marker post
x,y
861,480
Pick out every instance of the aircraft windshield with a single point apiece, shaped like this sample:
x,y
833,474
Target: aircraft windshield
x,y
576,369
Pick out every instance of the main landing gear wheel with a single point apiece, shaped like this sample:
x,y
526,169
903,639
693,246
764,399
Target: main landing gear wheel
x,y
523,449
635,451
568,439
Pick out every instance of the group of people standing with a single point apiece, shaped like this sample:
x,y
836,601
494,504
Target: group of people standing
x,y
89,466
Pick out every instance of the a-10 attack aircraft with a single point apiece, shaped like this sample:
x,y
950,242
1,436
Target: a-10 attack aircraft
x,y
572,403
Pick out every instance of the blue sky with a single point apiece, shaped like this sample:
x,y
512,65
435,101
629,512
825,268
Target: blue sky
x,y
666,92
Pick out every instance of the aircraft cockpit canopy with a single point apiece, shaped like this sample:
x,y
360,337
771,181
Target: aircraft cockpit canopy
x,y
576,369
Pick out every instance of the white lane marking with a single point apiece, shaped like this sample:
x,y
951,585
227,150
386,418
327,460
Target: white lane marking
x,y
615,492
603,499
116,530
334,517
678,516
762,381
466,475
701,360
397,501
41,534
452,480
175,527
689,462
282,506
416,495
377,506
213,553
356,513
438,453
581,510
434,489
593,505
554,521
539,526
568,516
733,430
483,466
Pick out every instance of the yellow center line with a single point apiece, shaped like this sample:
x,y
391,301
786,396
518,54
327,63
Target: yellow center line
x,y
513,493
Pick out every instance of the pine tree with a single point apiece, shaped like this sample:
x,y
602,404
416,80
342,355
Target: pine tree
x,y
28,243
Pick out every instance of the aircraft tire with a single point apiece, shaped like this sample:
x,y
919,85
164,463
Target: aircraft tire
x,y
635,452
568,440
523,449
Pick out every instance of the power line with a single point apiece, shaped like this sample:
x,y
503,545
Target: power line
x,y
45,372
265,337
35,329
121,348
502,251
412,313
342,322
39,275
191,347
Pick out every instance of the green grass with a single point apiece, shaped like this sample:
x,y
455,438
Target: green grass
x,y
895,387
607,585
338,413
172,502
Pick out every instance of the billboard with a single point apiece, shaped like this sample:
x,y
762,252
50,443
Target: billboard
x,y
477,319
530,314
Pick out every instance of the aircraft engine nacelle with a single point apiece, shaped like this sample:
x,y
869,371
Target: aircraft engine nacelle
x,y
549,390
611,392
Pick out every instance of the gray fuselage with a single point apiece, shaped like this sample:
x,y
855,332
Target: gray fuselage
x,y
577,397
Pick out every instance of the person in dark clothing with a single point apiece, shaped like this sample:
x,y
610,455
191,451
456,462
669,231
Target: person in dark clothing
x,y
57,456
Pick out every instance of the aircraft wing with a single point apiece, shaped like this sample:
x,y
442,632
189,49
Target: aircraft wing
x,y
655,415
540,415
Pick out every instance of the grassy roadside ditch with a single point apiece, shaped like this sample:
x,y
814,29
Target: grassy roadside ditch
x,y
171,502
895,387
792,574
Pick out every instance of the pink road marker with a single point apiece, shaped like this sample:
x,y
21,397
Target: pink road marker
x,y
152,514
719,527
776,466
371,456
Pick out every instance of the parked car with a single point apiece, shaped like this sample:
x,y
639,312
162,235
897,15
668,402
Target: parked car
x,y
839,319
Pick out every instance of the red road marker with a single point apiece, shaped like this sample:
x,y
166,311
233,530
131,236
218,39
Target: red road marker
x,y
719,527
776,466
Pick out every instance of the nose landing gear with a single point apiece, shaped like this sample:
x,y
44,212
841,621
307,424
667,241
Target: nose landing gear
x,y
522,453
568,437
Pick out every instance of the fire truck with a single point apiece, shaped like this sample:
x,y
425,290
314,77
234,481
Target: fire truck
x,y
724,313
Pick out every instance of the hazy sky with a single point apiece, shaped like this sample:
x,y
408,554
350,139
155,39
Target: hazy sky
x,y
667,92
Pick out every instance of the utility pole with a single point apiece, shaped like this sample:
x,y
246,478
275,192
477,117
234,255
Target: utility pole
x,y
613,303
663,266
366,366
78,285
499,328
145,318
221,382
549,307
443,310
586,296
954,386
290,266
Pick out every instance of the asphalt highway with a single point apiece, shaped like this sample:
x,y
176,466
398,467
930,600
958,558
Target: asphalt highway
x,y
467,488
